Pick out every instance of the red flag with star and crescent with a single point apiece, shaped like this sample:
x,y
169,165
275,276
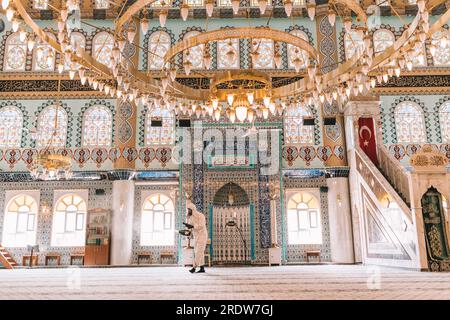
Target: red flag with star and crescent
x,y
367,140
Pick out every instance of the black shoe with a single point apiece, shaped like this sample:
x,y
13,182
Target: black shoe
x,y
202,269
192,270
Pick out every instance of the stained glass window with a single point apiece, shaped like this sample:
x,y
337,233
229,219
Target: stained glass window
x,y
101,4
195,53
441,39
11,122
102,46
158,45
444,116
262,52
97,127
164,134
419,59
353,44
294,130
44,56
409,122
157,221
19,229
15,53
382,39
46,128
41,4
69,221
304,225
228,54
295,53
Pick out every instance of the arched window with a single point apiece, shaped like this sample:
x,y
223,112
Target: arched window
x,y
353,44
255,3
102,46
441,39
97,127
382,39
444,117
409,122
41,4
11,122
295,54
162,3
228,54
295,131
19,229
159,134
69,221
46,127
158,45
194,54
304,222
195,3
44,56
262,54
77,41
157,221
101,4
224,3
15,53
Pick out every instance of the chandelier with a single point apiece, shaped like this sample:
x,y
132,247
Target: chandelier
x,y
309,85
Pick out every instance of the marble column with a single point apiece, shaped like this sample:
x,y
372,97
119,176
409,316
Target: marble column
x,y
122,222
340,220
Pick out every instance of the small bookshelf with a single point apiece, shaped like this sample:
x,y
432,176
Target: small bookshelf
x,y
98,237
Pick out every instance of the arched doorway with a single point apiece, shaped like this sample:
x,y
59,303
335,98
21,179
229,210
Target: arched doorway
x,y
436,236
231,214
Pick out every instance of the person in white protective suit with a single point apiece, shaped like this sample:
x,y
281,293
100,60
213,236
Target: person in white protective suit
x,y
197,222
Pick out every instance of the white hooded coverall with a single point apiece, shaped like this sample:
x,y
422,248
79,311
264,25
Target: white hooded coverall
x,y
200,234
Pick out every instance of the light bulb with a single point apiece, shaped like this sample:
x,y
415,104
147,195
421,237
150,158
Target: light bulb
x,y
209,7
215,103
251,97
5,4
272,107
250,115
163,18
22,35
262,6
432,48
265,112
83,80
60,68
443,41
144,25
207,59
130,34
311,8
235,6
297,62
288,7
348,24
15,25
232,115
217,114
331,17
241,113
64,14
30,44
9,14
266,101
184,11
230,98
421,5
71,74
277,59
187,67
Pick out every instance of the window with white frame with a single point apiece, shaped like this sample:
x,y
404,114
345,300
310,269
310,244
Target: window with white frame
x,y
161,134
69,221
294,129
441,40
46,131
228,54
195,3
15,53
295,54
159,43
194,54
97,127
353,44
102,46
11,122
444,117
44,56
409,123
157,221
262,54
19,229
304,221
101,4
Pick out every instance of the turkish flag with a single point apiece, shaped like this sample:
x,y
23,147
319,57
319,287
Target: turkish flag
x,y
366,135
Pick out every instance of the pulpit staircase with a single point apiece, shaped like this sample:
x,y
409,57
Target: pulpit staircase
x,y
6,260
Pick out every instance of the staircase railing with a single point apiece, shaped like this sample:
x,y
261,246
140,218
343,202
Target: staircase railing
x,y
377,175
394,172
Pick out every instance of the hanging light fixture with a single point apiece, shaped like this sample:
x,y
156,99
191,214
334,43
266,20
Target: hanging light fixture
x,y
331,17
184,11
9,14
144,25
262,6
235,6
241,106
230,98
5,4
311,8
163,18
209,5
288,7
